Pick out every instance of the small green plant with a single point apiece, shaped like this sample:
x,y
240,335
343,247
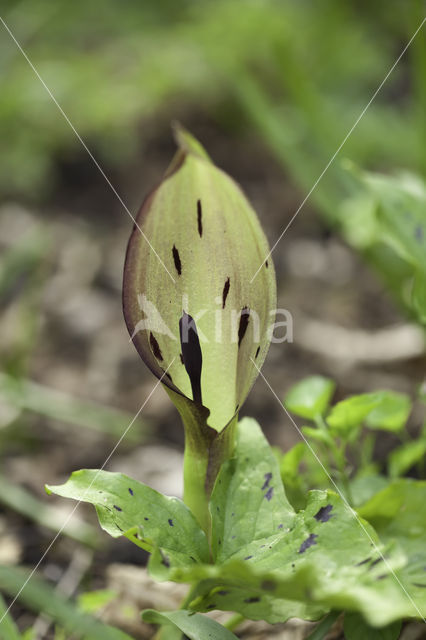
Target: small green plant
x,y
240,543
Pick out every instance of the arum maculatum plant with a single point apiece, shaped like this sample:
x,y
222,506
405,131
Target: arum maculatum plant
x,y
203,327
194,316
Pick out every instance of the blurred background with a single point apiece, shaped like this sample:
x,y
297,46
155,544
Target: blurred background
x,y
270,88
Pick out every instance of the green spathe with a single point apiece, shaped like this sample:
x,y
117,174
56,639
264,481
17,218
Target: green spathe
x,y
208,243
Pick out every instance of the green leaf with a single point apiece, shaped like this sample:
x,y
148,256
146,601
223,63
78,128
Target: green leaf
x,y
363,487
248,502
193,625
319,559
402,217
162,525
391,413
319,435
8,628
293,480
350,413
38,596
403,458
418,295
310,397
94,601
355,628
398,514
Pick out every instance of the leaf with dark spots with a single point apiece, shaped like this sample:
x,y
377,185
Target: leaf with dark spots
x,y
244,320
268,478
268,495
309,542
146,518
248,558
280,526
176,259
252,600
225,291
117,508
418,233
324,514
170,521
222,592
130,491
419,585
155,347
266,264
257,352
191,352
199,218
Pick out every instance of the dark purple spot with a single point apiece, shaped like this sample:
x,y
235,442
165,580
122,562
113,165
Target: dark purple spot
x,y
418,233
244,320
268,495
251,600
363,562
118,527
233,537
262,546
266,264
377,561
382,577
155,347
199,218
324,514
268,585
219,542
257,352
237,407
280,526
130,491
177,261
225,292
268,478
146,518
248,558
309,542
211,606
223,592
118,508
191,352
193,559
170,521
232,514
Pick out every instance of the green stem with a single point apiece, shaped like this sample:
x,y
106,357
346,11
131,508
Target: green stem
x,y
205,451
339,458
324,626
234,621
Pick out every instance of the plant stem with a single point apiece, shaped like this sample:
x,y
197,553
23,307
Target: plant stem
x,y
324,626
234,621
